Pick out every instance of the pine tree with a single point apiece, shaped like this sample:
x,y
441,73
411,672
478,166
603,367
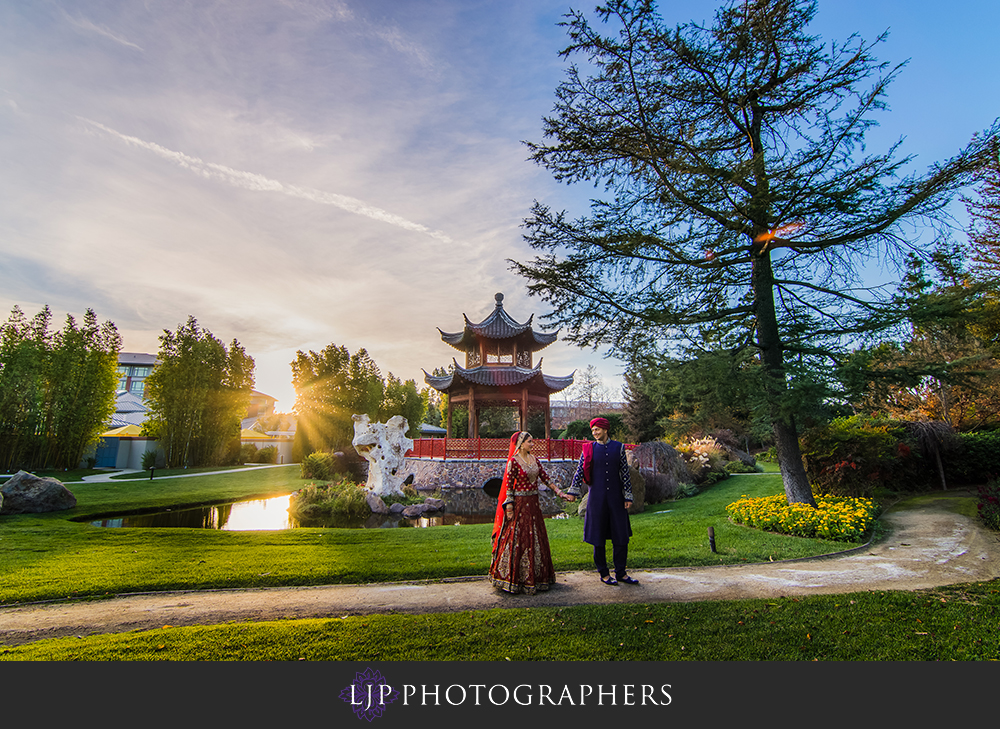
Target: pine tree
x,y
738,193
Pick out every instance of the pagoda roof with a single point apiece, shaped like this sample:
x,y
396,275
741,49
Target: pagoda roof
x,y
494,376
498,325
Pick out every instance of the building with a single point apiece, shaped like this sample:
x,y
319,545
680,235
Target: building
x,y
133,369
498,369
261,405
564,413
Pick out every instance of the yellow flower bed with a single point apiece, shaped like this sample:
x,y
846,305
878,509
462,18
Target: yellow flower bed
x,y
840,518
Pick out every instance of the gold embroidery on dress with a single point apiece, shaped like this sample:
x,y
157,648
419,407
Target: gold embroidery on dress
x,y
530,468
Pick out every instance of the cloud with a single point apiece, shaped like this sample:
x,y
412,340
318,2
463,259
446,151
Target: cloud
x,y
86,25
259,183
396,40
319,10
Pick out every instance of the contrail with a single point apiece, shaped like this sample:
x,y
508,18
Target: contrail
x,y
259,183
84,24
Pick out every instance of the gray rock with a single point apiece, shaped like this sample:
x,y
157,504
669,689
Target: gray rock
x,y
376,504
434,504
414,510
663,470
25,493
638,491
396,508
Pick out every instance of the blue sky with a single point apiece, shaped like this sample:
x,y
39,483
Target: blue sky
x,y
300,172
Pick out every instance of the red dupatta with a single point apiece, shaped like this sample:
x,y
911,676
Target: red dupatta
x,y
515,441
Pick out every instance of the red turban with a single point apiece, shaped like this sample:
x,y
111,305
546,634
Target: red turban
x,y
600,423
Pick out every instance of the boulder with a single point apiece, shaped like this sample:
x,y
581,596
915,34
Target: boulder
x,y
376,504
434,504
638,491
396,508
25,493
735,454
662,468
414,510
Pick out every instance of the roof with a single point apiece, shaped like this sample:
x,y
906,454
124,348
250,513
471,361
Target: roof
x,y
129,410
498,325
493,376
136,358
120,419
126,402
130,430
250,434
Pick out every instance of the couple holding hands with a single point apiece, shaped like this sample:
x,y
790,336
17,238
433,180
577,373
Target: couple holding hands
x,y
521,559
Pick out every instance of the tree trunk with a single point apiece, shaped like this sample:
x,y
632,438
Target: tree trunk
x,y
793,472
940,467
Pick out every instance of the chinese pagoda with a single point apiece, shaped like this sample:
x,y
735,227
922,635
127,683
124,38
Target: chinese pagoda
x,y
498,369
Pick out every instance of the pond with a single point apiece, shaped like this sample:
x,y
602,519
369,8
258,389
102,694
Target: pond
x,y
272,514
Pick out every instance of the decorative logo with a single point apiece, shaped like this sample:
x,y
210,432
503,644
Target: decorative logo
x,y
369,694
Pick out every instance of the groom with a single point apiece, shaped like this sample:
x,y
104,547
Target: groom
x,y
604,468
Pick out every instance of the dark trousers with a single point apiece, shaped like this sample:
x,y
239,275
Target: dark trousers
x,y
619,553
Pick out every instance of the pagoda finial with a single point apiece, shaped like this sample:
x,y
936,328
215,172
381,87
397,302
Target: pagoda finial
x,y
499,298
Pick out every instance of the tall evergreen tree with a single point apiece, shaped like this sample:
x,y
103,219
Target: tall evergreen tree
x,y
24,351
56,390
641,413
197,395
80,396
945,366
403,398
740,194
330,387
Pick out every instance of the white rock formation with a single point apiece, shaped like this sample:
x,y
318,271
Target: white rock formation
x,y
384,445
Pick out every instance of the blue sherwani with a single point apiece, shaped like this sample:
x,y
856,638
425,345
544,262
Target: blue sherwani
x,y
610,488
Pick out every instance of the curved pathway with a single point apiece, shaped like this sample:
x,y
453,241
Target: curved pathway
x,y
928,546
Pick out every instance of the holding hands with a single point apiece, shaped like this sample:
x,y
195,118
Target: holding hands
x,y
561,494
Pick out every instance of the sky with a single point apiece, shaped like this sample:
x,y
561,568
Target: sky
x,y
298,173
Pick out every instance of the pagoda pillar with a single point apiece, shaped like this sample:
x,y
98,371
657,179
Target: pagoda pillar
x,y
473,420
548,418
524,408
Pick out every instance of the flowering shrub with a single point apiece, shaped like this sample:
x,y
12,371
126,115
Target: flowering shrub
x,y
840,518
705,459
988,506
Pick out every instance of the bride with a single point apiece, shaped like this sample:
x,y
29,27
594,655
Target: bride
x,y
521,560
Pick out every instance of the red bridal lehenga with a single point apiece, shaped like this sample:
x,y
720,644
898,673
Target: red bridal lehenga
x,y
521,558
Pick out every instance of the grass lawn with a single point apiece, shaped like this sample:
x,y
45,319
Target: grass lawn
x,y
55,555
70,476
954,623
52,556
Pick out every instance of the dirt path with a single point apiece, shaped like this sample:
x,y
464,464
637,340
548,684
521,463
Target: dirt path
x,y
928,546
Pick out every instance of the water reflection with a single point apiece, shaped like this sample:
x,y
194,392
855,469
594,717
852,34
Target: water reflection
x,y
258,514
272,514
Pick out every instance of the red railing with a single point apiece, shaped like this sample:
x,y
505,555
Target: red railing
x,y
480,448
